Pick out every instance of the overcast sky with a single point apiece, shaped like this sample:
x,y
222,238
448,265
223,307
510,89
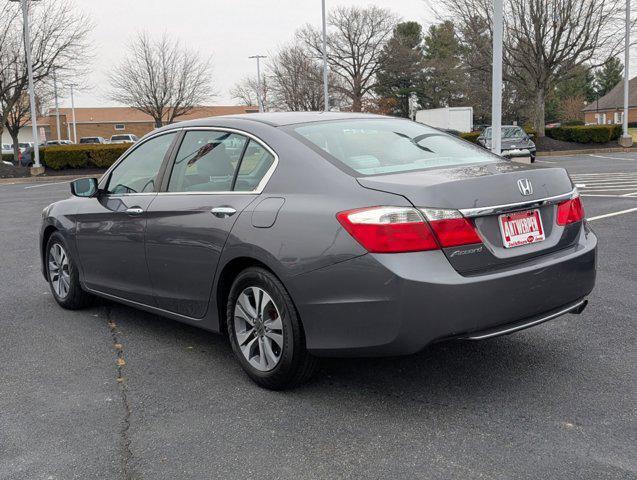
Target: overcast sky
x,y
228,30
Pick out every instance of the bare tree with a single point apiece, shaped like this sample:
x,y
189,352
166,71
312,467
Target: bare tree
x,y
246,91
544,40
161,78
354,43
58,43
20,113
297,79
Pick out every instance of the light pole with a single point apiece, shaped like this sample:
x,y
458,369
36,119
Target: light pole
x,y
259,99
496,86
73,112
626,140
57,106
27,50
325,93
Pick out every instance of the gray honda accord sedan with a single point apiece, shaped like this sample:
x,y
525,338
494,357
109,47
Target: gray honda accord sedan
x,y
303,235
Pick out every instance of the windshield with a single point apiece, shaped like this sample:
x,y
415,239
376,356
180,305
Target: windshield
x,y
120,137
374,146
507,132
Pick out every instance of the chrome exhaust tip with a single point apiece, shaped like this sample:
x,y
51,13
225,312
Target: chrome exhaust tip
x,y
580,308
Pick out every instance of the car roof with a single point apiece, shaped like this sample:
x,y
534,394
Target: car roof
x,y
276,119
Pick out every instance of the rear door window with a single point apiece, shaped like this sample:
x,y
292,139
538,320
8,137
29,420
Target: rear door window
x,y
207,161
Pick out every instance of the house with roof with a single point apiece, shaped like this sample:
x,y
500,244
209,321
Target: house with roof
x,y
609,109
108,121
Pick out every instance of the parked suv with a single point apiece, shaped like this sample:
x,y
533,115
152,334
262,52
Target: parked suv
x,y
124,138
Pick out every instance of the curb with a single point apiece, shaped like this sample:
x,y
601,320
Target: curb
x,y
559,153
38,179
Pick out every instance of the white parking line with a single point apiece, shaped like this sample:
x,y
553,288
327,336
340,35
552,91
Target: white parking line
x,y
612,158
621,212
44,185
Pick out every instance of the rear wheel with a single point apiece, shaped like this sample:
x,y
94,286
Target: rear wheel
x,y
63,276
265,331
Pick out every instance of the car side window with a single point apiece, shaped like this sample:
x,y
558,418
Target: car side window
x,y
137,173
206,161
256,162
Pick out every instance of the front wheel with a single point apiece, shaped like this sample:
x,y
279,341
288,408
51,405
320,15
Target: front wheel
x,y
63,275
266,332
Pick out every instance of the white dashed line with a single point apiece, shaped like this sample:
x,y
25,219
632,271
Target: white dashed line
x,y
613,214
44,185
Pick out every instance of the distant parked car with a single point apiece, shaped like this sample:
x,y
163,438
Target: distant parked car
x,y
85,140
7,149
515,142
124,138
52,143
24,145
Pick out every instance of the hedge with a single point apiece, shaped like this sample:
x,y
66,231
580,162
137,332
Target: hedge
x,y
83,156
470,136
586,134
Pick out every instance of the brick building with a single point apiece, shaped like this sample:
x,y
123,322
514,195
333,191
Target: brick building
x,y
609,109
107,121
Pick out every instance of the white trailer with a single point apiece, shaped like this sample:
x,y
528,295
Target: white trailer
x,y
449,118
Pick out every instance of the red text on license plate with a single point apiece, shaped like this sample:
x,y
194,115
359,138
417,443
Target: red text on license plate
x,y
521,228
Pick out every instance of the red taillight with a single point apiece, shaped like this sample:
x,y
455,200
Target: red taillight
x,y
570,211
404,229
450,227
454,232
388,229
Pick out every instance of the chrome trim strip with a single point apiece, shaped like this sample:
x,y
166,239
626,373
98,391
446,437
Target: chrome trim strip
x,y
141,305
510,207
257,191
526,325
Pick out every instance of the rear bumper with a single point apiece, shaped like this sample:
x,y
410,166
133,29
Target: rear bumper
x,y
397,304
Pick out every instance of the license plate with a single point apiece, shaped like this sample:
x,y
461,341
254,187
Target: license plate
x,y
521,228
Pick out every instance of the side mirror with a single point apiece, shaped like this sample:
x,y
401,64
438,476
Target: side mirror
x,y
84,187
531,135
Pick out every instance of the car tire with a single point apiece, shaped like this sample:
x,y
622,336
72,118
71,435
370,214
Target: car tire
x,y
265,331
63,276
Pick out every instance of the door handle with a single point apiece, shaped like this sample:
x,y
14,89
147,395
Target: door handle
x,y
135,211
221,212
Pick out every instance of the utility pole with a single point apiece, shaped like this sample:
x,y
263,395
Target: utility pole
x,y
627,139
326,97
73,113
496,86
259,98
57,106
27,50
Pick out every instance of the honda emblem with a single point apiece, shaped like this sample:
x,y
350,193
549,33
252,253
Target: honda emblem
x,y
524,184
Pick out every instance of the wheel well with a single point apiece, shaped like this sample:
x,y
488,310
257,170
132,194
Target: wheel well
x,y
48,231
230,271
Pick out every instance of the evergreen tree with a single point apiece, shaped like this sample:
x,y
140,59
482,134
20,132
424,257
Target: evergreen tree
x,y
444,73
608,76
400,70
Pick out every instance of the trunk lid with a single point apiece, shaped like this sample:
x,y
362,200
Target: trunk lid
x,y
474,190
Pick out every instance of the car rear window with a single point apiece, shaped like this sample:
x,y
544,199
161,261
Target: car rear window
x,y
120,137
377,146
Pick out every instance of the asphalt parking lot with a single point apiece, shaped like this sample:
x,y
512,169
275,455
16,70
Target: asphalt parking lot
x,y
554,401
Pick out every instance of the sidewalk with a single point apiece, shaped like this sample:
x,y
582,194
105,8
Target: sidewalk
x,y
559,153
40,178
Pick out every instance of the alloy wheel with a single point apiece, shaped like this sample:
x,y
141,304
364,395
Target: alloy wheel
x,y
258,328
59,274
